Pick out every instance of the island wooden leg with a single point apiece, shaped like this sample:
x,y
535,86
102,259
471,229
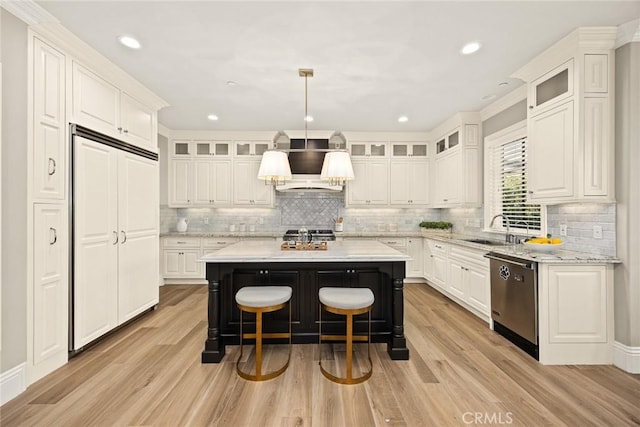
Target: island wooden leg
x,y
213,346
397,347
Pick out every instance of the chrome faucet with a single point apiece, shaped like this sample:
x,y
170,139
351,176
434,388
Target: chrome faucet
x,y
526,224
506,220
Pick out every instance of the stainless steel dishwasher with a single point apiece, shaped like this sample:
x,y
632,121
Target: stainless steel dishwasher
x,y
514,300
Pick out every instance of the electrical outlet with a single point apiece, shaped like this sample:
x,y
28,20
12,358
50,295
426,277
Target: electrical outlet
x,y
563,229
597,232
206,220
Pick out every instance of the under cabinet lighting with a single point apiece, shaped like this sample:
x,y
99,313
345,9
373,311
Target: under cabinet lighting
x,y
403,119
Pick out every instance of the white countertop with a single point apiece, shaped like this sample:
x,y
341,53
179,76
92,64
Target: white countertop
x,y
338,251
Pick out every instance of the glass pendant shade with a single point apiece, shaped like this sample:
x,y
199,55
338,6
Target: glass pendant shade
x,y
337,167
274,166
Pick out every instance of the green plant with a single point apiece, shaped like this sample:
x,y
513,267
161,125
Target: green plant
x,y
437,225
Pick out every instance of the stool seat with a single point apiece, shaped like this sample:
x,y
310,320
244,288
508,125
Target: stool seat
x,y
346,298
263,296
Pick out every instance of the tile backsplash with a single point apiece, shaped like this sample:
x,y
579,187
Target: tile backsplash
x,y
294,210
319,210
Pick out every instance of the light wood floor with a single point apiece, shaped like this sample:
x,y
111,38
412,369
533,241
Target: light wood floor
x,y
459,373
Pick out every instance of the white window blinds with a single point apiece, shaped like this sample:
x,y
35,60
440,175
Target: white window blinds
x,y
509,175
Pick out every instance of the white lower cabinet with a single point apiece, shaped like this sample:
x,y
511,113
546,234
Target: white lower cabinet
x,y
575,313
180,256
50,289
115,238
414,250
460,273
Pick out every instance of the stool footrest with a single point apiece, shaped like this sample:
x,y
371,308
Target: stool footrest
x,y
268,335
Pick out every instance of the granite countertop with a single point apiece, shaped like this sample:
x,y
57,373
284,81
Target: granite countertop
x,y
338,251
519,251
559,257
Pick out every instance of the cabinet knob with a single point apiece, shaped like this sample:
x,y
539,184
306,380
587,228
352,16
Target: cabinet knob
x,y
126,131
119,129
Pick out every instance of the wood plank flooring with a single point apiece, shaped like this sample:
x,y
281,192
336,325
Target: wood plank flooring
x,y
459,373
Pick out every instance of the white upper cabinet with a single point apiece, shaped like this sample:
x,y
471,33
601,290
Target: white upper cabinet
x,y
457,176
49,122
570,119
251,148
409,182
248,190
419,150
102,106
368,149
371,184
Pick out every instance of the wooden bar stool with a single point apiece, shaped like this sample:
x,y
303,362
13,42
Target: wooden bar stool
x,y
348,302
259,300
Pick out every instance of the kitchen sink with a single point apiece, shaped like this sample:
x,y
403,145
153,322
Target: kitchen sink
x,y
485,242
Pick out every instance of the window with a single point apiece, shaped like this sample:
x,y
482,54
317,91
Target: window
x,y
506,179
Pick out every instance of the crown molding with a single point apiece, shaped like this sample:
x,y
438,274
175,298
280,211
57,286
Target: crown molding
x,y
503,103
628,32
28,11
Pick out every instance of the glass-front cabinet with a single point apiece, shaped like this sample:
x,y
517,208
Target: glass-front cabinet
x,y
409,149
368,149
251,148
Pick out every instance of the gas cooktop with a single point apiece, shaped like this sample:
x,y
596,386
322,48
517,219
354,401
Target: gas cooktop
x,y
316,235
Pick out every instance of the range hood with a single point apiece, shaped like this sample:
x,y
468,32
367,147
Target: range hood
x,y
306,155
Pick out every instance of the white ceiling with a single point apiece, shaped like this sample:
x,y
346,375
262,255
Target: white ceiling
x,y
373,61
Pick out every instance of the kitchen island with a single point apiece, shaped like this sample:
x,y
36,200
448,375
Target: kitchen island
x,y
353,263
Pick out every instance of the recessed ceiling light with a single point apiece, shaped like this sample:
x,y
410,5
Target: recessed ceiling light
x,y
129,42
488,97
308,119
403,119
470,48
503,84
212,117
231,83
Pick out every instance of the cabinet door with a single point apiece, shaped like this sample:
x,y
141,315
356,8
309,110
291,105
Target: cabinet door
x,y
203,180
96,238
399,183
220,184
357,189
478,288
448,180
171,263
95,102
180,182
50,289
378,180
456,283
551,153
414,250
439,275
138,255
137,122
419,180
49,123
551,88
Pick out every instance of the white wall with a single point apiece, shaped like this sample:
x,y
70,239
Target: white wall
x,y
13,36
627,274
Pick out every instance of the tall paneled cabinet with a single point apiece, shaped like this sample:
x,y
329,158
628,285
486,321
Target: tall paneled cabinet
x,y
64,87
570,119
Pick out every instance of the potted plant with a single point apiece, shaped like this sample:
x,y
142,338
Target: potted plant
x,y
436,227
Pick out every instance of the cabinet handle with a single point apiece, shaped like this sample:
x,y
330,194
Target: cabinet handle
x,y
438,246
124,237
52,166
431,256
181,243
126,131
55,235
115,234
530,191
119,129
530,107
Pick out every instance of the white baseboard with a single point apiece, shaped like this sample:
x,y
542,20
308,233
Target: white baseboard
x,y
626,358
12,383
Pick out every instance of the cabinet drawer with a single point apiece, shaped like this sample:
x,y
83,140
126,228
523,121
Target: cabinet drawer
x,y
181,242
469,255
395,242
218,242
437,247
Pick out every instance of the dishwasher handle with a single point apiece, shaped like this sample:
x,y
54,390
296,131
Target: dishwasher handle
x,y
523,264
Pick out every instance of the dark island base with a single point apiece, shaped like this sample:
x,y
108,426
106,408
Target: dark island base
x,y
385,279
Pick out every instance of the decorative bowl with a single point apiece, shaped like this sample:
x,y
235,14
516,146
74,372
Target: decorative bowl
x,y
543,247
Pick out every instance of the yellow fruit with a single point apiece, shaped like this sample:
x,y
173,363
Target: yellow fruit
x,y
556,241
